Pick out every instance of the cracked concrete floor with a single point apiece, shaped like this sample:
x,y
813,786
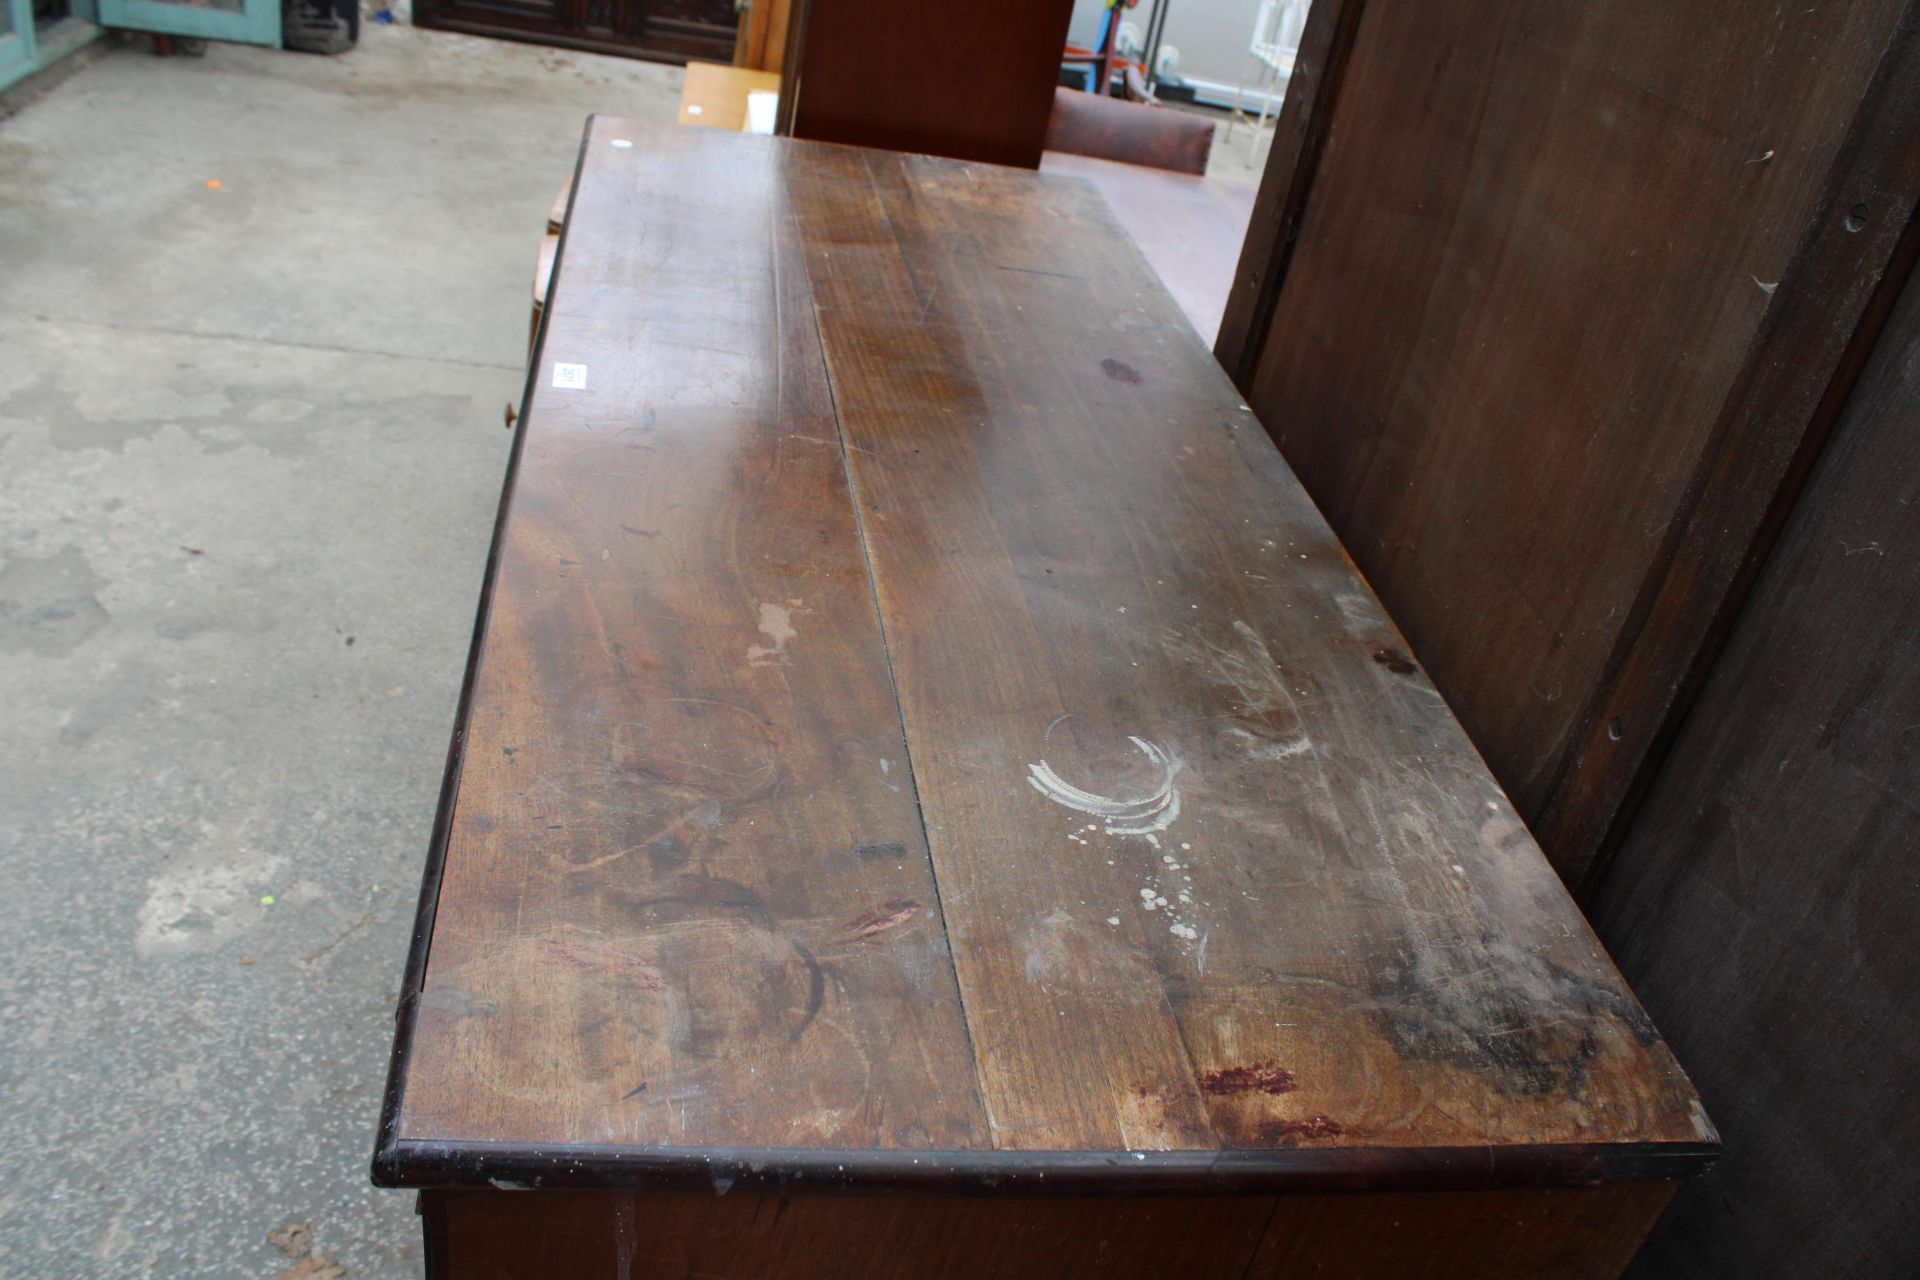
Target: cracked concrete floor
x,y
250,444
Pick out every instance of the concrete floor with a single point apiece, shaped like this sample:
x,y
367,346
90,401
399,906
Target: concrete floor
x,y
250,445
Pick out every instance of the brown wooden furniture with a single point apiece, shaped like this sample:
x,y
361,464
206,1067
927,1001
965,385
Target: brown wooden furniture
x,y
1555,311
1766,895
1549,327
1105,128
921,740
1189,229
715,97
760,43
973,82
657,30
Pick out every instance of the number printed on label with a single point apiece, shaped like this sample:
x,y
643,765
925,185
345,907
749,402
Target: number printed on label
x,y
571,377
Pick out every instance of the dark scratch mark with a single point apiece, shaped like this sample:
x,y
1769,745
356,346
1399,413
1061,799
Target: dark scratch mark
x,y
1395,661
1259,1077
891,915
880,849
1288,1132
1120,371
634,1092
640,533
1035,271
816,990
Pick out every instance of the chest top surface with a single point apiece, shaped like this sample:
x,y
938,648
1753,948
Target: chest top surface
x,y
919,728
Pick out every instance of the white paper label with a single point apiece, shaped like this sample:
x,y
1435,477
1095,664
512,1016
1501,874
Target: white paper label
x,y
570,377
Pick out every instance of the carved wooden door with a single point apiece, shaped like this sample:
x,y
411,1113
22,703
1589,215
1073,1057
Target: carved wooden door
x,y
663,30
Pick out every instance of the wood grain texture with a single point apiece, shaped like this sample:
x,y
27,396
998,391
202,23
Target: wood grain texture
x,y
974,84
1203,876
686,897
1189,229
1765,900
1551,322
1574,1232
1293,160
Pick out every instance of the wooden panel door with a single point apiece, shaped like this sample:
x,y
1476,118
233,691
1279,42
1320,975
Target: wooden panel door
x,y
1764,903
1548,305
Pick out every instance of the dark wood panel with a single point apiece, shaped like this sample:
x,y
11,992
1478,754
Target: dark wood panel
x,y
1432,1236
1765,901
1561,298
922,736
973,83
657,30
1293,160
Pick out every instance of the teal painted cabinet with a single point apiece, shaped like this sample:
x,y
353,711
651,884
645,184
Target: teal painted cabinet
x,y
16,40
238,21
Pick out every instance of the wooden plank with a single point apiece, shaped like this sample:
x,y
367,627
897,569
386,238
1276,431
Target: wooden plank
x,y
1087,557
1293,158
1231,900
1794,375
685,896
1764,900
1570,1232
1188,228
1549,321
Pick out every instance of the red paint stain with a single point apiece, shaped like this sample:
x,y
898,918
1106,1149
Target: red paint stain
x,y
1260,1077
891,915
1288,1132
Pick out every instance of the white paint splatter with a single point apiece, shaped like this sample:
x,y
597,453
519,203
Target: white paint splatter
x,y
1121,817
1185,931
776,623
